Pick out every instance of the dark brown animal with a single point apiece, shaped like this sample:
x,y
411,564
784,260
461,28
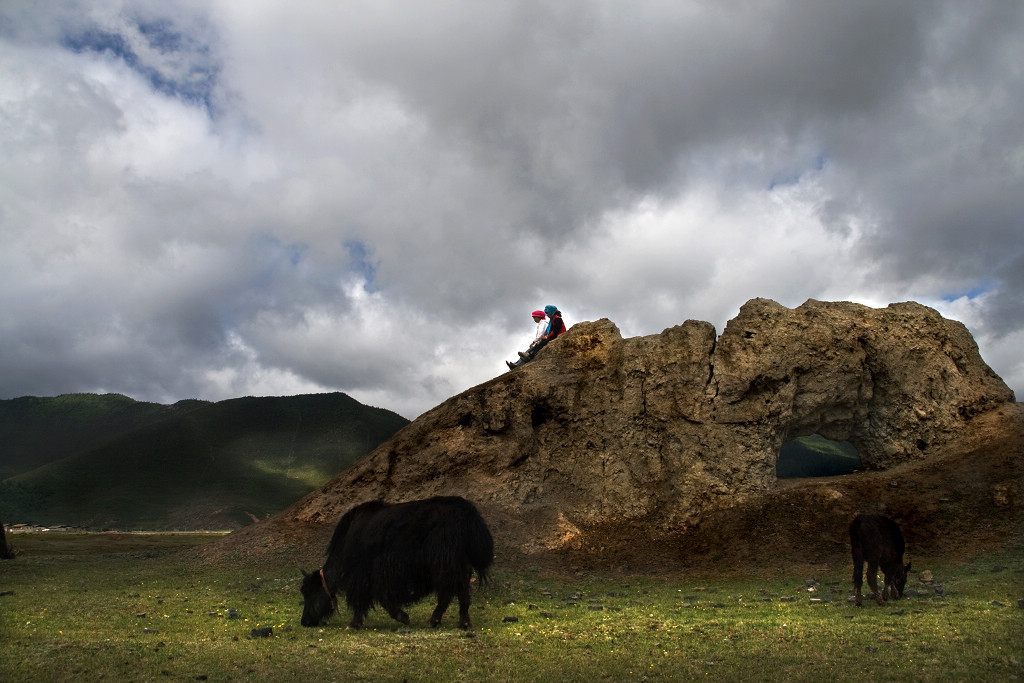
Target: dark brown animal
x,y
878,541
395,554
6,552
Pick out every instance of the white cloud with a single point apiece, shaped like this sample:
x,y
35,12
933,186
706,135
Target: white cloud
x,y
217,199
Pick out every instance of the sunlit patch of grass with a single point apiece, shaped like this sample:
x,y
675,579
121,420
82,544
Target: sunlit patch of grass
x,y
148,617
311,477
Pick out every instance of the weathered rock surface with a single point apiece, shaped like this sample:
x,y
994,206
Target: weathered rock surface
x,y
662,432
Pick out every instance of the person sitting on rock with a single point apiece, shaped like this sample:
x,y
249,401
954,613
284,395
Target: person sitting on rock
x,y
539,332
546,331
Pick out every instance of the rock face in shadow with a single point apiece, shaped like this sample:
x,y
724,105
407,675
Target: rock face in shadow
x,y
658,432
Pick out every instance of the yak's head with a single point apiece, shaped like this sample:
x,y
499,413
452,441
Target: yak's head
x,y
899,582
318,603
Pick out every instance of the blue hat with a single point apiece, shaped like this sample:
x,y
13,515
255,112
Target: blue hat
x,y
550,310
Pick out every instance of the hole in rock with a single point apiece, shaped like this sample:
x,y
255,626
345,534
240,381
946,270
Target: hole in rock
x,y
539,415
816,456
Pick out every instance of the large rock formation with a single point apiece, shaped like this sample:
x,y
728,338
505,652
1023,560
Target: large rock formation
x,y
657,434
601,430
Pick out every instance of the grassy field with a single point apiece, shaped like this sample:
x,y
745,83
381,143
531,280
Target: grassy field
x,y
135,607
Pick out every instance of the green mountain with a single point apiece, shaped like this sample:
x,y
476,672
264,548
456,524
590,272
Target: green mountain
x,y
35,431
111,462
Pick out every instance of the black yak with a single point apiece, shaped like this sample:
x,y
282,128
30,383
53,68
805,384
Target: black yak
x,y
878,541
394,554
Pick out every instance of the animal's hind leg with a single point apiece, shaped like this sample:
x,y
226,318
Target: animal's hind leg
x,y
858,577
464,604
444,598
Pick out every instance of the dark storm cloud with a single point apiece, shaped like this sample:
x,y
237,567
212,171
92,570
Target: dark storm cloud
x,y
218,199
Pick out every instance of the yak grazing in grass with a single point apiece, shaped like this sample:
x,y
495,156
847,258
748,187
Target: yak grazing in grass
x,y
394,554
878,541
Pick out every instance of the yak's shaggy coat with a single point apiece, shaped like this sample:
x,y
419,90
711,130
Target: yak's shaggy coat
x,y
395,554
878,541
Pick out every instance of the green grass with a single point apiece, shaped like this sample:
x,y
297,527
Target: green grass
x,y
310,477
132,607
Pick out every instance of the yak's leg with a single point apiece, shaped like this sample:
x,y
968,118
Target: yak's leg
x,y
873,582
396,612
359,610
858,576
889,585
464,600
359,598
444,598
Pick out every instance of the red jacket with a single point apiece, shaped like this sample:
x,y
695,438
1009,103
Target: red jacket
x,y
555,327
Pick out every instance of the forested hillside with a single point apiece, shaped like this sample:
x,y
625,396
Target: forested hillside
x,y
111,462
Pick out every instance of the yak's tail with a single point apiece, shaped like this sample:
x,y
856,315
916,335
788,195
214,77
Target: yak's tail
x,y
479,546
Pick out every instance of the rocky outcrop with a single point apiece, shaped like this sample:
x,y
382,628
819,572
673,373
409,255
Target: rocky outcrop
x,y
663,430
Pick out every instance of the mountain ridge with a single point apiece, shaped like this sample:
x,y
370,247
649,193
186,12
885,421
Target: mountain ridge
x,y
190,465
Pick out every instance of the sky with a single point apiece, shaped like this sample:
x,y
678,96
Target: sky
x,y
215,199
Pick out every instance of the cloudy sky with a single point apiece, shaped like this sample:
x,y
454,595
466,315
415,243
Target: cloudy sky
x,y
213,199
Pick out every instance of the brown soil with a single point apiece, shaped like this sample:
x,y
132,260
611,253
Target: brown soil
x,y
963,501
